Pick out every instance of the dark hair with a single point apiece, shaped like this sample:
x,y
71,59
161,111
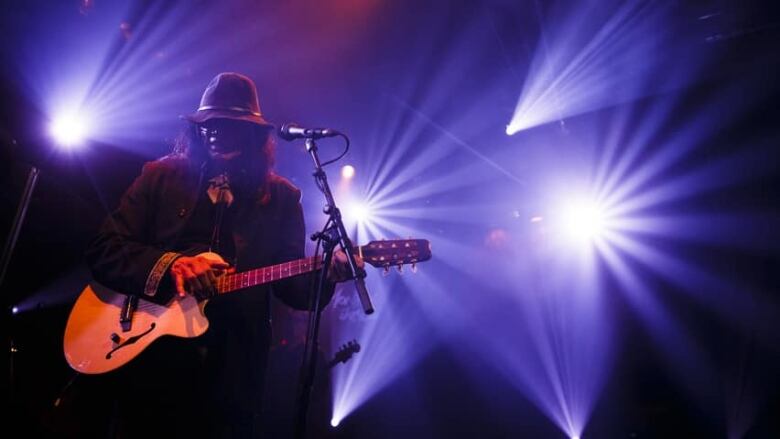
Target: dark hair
x,y
189,144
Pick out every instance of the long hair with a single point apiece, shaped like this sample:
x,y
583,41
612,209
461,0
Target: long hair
x,y
189,144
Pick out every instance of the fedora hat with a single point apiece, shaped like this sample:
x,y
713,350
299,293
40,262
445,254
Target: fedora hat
x,y
229,96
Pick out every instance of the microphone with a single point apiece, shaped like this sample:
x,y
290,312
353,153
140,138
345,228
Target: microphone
x,y
292,131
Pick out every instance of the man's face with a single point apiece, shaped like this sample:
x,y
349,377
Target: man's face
x,y
226,139
235,148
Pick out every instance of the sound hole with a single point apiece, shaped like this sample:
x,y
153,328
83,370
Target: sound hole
x,y
130,341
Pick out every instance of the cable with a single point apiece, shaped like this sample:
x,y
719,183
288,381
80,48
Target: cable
x,y
346,149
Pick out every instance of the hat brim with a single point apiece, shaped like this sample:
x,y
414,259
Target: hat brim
x,y
205,115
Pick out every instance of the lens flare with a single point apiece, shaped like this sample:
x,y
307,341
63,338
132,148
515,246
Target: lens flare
x,y
347,172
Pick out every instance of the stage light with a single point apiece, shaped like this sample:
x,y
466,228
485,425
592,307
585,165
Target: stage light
x,y
579,66
334,422
347,172
69,129
583,220
15,310
359,212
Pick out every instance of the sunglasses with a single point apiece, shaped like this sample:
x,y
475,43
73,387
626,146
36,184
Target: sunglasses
x,y
227,135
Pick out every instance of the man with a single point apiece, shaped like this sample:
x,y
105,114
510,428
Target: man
x,y
216,193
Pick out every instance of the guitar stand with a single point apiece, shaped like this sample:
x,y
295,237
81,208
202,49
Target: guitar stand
x,y
335,234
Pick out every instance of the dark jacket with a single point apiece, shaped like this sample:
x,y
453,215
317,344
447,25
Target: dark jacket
x,y
142,237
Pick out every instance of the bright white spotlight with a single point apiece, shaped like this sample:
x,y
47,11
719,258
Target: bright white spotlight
x,y
15,310
359,212
69,129
583,220
347,172
334,422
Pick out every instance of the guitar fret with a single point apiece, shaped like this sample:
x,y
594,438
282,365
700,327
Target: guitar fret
x,y
259,276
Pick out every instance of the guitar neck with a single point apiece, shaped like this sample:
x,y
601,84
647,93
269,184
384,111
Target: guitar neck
x,y
382,254
265,275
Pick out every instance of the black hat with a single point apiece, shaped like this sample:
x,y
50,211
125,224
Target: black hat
x,y
229,96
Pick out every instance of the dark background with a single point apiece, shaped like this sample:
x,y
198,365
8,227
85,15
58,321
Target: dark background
x,y
641,398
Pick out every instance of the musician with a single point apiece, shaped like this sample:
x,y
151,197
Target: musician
x,y
216,192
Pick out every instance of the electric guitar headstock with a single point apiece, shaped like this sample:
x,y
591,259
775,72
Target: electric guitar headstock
x,y
344,353
396,253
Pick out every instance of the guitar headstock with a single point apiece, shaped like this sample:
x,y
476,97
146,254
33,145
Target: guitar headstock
x,y
396,252
346,351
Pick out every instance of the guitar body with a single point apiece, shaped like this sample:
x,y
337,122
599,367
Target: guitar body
x,y
95,341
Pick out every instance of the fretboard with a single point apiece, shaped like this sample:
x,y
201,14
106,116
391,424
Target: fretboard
x,y
260,276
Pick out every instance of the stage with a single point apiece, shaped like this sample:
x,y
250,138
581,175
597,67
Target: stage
x,y
569,211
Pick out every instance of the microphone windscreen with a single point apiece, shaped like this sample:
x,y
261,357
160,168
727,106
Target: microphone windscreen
x,y
284,131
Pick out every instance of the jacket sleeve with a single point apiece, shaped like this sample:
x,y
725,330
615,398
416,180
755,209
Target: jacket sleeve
x,y
121,255
295,291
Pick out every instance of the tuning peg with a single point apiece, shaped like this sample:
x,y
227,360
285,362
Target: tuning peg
x,y
400,268
386,270
414,267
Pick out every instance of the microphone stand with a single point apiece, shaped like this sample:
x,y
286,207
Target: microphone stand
x,y
334,234
8,250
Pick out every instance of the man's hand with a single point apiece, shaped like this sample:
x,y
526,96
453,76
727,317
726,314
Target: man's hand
x,y
339,268
197,275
